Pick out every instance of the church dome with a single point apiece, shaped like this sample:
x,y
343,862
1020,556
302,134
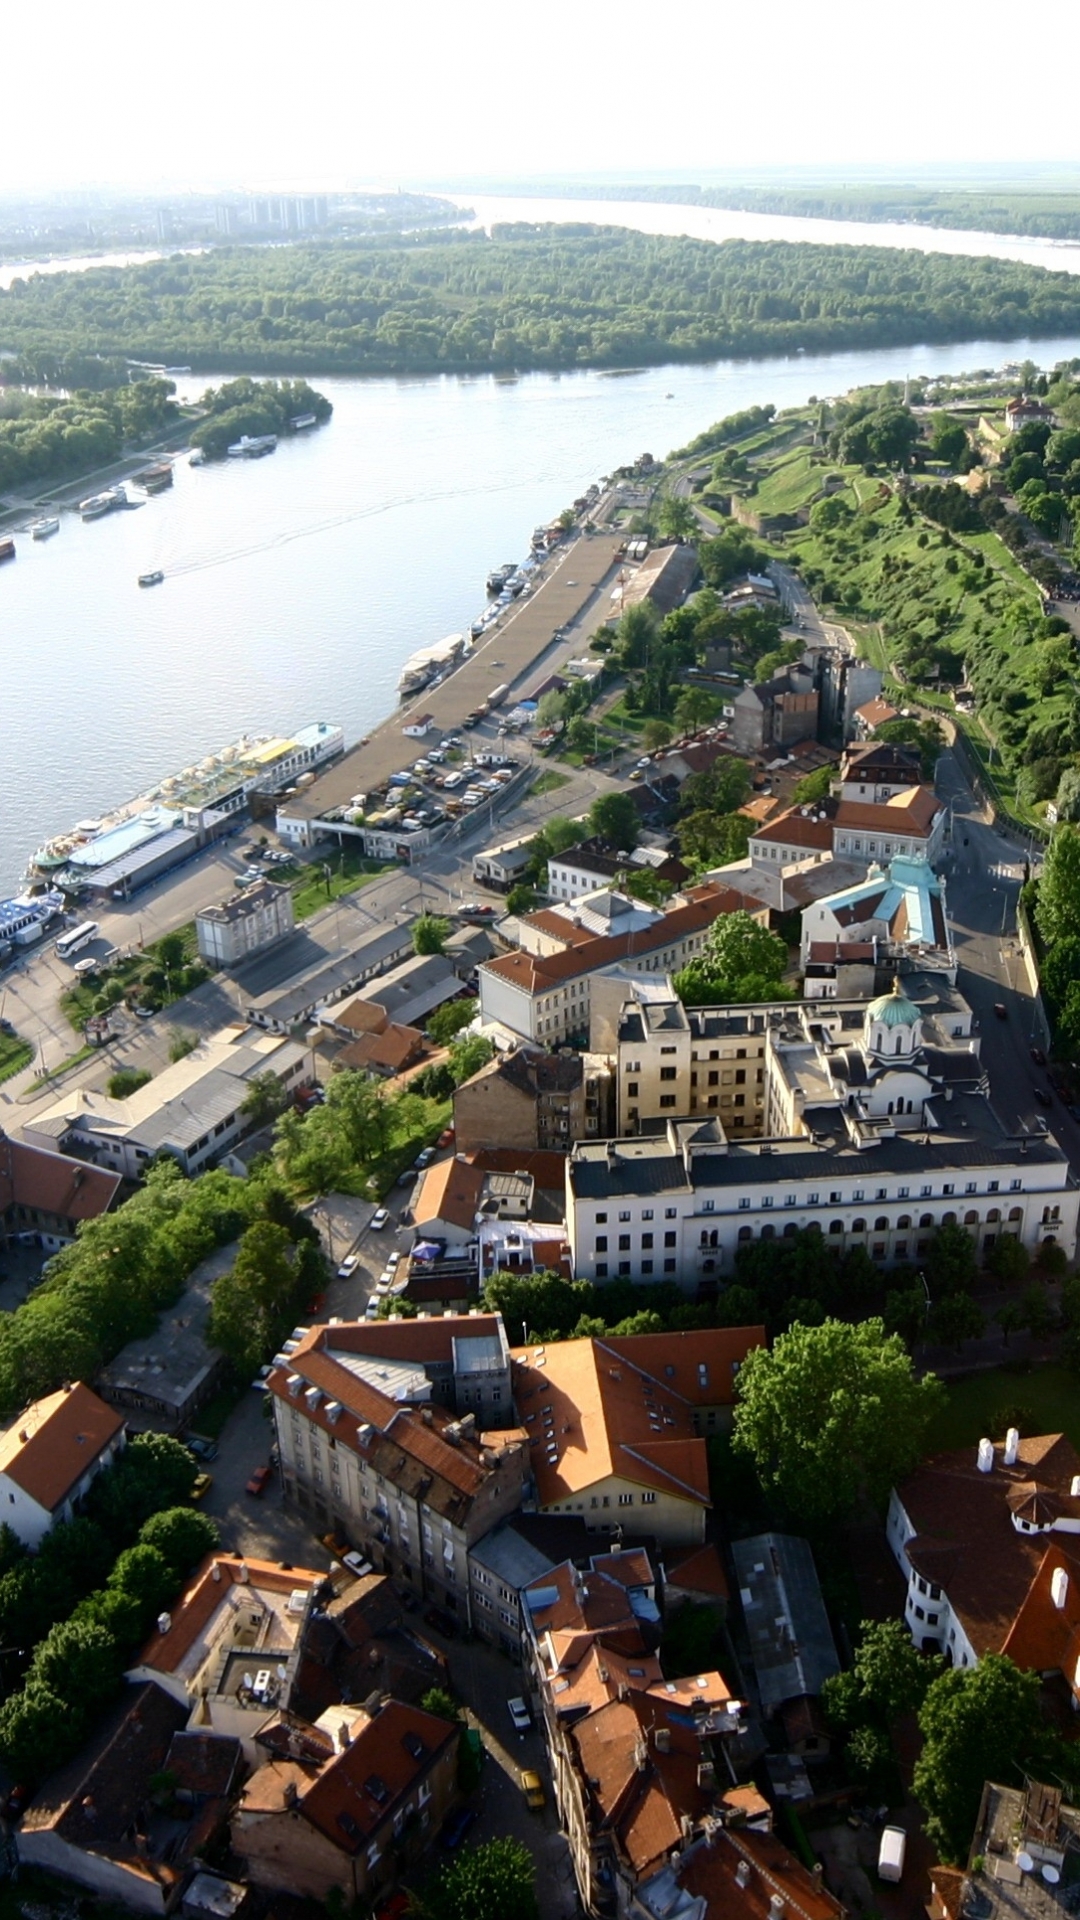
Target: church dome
x,y
893,1009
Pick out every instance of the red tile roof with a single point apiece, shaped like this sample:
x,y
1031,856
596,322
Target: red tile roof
x,y
536,974
54,1441
450,1191
53,1182
676,1360
358,1790
211,1584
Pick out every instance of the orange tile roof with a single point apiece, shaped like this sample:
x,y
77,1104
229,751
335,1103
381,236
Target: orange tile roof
x,y
534,974
1045,1637
450,1191
53,1182
548,1168
875,713
701,1571
52,1443
676,1359
913,809
211,1584
795,829
431,1339
357,1791
711,1873
395,1047
361,1016
606,1419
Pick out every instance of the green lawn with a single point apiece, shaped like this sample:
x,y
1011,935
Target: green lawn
x,y
793,483
549,782
1039,1400
407,1140
15,1054
348,872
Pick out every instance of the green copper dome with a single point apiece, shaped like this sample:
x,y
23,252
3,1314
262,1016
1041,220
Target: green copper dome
x,y
893,1009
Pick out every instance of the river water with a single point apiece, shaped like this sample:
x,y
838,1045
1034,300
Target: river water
x,y
297,585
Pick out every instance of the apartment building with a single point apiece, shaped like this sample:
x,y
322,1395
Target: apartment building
x,y
899,910
245,924
616,1427
365,1449
878,771
668,1061
545,996
911,821
50,1455
679,1205
594,864
537,1101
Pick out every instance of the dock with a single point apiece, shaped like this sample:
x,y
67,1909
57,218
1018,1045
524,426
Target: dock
x,y
507,655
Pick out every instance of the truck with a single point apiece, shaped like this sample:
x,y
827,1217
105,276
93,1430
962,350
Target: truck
x,y
891,1853
496,698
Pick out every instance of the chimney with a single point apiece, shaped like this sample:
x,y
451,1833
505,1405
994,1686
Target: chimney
x,y
242,1573
742,1874
1059,1587
164,1622
343,1738
985,1456
1074,1486
663,1739
215,1571
1012,1446
776,1907
290,1793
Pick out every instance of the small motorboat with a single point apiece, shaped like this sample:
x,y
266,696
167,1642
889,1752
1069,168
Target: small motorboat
x,y
151,579
45,528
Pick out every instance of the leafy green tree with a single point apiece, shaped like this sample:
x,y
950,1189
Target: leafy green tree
x,y
721,789
1058,909
468,1056
656,734
521,899
441,1704
497,1880
154,1471
677,519
978,1723
696,707
949,441
538,1304
1037,1311
951,1262
122,1084
690,1641
182,1537
956,1318
551,709
79,1662
741,961
814,787
449,1019
1008,1259
832,1414
714,839
144,1573
638,634
264,1100
254,1304
614,818
38,1732
892,1674
430,933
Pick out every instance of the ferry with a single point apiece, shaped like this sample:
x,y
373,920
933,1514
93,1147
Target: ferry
x,y
7,549
45,528
499,576
155,479
301,421
421,668
99,503
252,446
151,579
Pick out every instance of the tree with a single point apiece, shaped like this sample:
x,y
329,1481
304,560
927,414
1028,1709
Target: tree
x,y
1058,908
551,709
814,787
714,839
253,1305
721,789
1067,797
949,441
696,707
449,1019
614,818
638,633
676,519
893,1675
1008,1260
153,1472
181,1536
430,933
951,1263
741,961
537,1304
656,734
144,1573
441,1704
521,899
978,1723
496,1880
38,1732
691,1637
264,1099
468,1056
833,1413
78,1661
956,1318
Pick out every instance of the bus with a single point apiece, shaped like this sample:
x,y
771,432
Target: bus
x,y
69,943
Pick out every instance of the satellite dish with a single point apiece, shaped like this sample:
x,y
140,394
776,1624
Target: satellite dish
x,y
1024,1861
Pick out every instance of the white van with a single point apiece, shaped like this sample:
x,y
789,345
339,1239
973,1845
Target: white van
x,y
891,1853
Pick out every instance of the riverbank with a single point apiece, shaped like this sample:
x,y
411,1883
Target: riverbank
x,y
68,492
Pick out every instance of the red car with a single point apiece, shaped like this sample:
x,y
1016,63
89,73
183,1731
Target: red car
x,y
258,1480
446,1137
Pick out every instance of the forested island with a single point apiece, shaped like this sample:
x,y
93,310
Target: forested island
x,y
1053,216
528,297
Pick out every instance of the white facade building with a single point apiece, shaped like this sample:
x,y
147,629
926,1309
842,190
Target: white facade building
x,y
252,920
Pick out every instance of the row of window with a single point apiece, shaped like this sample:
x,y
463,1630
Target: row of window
x,y
670,1240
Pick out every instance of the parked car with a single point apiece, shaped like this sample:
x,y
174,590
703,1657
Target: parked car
x,y
424,1159
393,1260
357,1565
348,1266
1043,1096
455,1827
16,1801
371,1311
202,1449
259,1478
379,1219
1038,1056
519,1714
533,1788
202,1486
446,1137
316,1303
336,1545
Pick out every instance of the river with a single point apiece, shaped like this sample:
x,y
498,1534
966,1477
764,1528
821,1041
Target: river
x,y
296,585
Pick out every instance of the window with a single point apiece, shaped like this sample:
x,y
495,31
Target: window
x,y
992,1186
1014,1186
601,1243
624,1269
667,1073
925,1193
668,1049
836,1226
601,1269
646,1242
633,1090
670,1240
766,1199
648,1499
882,1193
626,1499
971,1187
948,1187
624,1243
669,1266
791,1199
601,1219
836,1199
624,1216
646,1213
668,1100
646,1266
744,1204
671,1213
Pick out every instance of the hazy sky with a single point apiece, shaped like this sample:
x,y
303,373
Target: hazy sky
x,y
335,92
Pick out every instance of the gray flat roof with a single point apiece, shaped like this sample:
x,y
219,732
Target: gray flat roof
x,y
331,979
511,1559
241,904
791,1642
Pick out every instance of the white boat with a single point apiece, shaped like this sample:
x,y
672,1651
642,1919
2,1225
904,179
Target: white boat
x,y
252,446
423,665
43,529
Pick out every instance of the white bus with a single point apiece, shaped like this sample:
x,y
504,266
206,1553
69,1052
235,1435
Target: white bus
x,y
69,943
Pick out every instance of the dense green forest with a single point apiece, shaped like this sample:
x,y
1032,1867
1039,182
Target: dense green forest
x,y
1055,216
529,297
47,439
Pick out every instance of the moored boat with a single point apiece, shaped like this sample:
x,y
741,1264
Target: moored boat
x,y
44,528
252,446
7,549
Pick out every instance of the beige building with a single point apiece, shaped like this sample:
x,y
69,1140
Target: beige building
x,y
365,1450
532,1100
49,1456
245,924
668,1061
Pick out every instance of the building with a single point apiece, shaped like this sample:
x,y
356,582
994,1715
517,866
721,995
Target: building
x,y
406,996
329,979
229,1648
388,1467
48,1194
1024,412
459,1361
898,910
912,821
49,1456
680,1204
532,1100
502,866
873,714
1023,1859
986,1539
96,1823
665,577
544,997
244,925
447,1207
593,864
168,1373
670,1061
616,1430
877,771
369,1787
791,1643
736,1872
193,1110
844,685
777,713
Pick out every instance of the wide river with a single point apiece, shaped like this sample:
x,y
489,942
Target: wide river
x,y
296,586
